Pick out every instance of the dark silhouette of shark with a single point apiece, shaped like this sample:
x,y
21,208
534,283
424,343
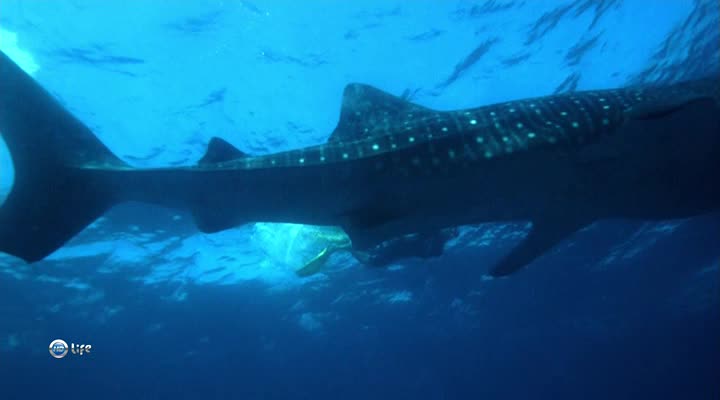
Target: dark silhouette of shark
x,y
389,169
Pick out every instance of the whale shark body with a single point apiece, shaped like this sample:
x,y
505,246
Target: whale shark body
x,y
390,168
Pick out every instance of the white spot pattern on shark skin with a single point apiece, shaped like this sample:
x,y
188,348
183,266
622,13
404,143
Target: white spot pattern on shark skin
x,y
508,135
473,122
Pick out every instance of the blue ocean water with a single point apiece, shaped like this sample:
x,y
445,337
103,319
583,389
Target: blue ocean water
x,y
621,310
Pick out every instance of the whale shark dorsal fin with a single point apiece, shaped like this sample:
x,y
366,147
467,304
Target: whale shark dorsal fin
x,y
220,151
369,111
545,234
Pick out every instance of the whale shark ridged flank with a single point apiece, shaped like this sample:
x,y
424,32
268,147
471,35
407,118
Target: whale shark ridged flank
x,y
390,168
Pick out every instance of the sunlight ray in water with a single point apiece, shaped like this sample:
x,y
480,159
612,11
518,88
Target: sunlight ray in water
x,y
26,61
10,47
7,172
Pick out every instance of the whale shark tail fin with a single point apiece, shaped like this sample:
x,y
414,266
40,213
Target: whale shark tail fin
x,y
56,192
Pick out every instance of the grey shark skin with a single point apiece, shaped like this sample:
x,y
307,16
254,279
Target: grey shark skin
x,y
390,168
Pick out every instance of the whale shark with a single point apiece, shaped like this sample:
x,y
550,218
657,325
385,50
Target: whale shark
x,y
390,168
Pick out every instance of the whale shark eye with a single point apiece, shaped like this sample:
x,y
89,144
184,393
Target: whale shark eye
x,y
7,171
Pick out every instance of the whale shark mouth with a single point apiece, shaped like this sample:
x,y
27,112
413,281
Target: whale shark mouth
x,y
7,171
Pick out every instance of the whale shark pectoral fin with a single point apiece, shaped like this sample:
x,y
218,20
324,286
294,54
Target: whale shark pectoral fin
x,y
545,234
